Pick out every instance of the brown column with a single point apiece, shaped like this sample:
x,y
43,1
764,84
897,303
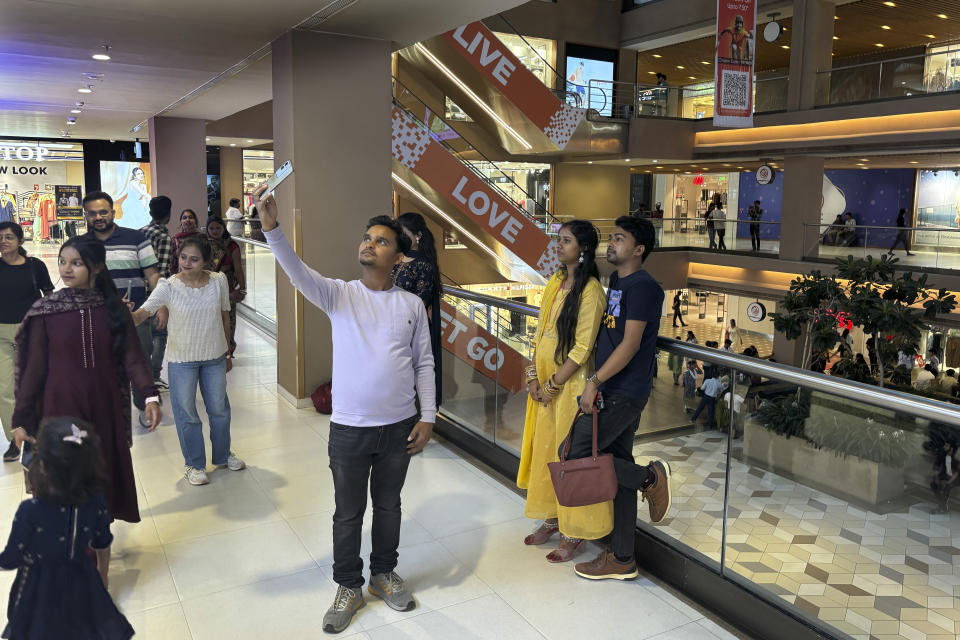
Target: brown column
x,y
802,202
231,176
331,117
811,46
178,163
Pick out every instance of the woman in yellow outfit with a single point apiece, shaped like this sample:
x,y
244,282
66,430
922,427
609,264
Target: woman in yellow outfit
x,y
573,303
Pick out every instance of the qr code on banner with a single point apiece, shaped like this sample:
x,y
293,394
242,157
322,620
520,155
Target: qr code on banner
x,y
734,86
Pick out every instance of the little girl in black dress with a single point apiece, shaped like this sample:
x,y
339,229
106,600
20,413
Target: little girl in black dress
x,y
58,592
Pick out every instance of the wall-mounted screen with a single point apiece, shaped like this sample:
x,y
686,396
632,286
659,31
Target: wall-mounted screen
x,y
129,185
584,64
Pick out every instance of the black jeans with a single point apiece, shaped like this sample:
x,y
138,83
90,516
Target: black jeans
x,y
359,454
678,316
616,425
755,237
720,243
900,239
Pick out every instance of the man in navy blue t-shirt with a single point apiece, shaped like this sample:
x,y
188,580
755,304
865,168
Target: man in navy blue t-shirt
x,y
626,349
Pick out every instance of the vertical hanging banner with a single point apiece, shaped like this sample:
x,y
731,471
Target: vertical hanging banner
x,y
733,66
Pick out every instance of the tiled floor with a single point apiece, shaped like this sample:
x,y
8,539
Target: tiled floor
x,y
874,576
249,556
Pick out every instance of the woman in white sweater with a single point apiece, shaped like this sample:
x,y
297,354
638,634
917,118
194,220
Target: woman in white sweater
x,y
198,334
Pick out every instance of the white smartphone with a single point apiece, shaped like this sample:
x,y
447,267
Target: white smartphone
x,y
284,172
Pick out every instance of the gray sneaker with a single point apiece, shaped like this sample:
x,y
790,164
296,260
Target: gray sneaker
x,y
389,588
340,614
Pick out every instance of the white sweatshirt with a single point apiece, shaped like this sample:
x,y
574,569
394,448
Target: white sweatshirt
x,y
382,358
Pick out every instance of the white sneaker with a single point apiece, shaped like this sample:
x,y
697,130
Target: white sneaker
x,y
234,463
196,476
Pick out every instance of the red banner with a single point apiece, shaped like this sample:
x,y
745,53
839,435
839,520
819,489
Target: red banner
x,y
503,70
414,148
733,68
481,350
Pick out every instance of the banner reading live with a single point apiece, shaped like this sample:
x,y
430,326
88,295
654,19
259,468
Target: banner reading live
x,y
478,348
493,59
733,67
415,149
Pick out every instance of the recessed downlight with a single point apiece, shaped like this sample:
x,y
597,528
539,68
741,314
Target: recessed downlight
x,y
104,55
249,141
657,55
879,44
885,27
86,89
233,144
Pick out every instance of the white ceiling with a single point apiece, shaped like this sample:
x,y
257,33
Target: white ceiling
x,y
164,49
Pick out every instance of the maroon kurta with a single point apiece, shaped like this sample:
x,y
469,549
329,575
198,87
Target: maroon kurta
x,y
69,370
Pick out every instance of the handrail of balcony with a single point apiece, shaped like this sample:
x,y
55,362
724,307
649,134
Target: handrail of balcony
x,y
860,65
541,212
840,226
857,391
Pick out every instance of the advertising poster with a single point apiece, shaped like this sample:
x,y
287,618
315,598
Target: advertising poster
x,y
129,184
580,71
938,209
68,202
733,68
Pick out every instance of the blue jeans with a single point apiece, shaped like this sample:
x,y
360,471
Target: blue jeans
x,y
211,376
710,404
358,456
159,348
713,237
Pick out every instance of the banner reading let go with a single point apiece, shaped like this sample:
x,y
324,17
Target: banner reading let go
x,y
462,337
733,65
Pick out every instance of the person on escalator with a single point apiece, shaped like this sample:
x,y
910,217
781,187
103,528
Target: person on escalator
x,y
569,319
626,348
382,367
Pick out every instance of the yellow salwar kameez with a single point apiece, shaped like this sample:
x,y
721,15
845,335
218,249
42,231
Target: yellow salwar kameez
x,y
546,427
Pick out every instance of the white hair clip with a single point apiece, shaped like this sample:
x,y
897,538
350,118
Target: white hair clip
x,y
77,435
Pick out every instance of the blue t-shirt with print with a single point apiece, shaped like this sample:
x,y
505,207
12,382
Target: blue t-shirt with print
x,y
636,297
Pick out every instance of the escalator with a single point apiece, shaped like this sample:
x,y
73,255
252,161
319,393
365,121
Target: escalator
x,y
480,73
427,166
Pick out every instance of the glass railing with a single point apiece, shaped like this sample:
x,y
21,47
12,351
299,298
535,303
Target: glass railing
x,y
260,304
904,77
930,247
826,498
687,103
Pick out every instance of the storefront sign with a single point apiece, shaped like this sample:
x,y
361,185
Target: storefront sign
x,y
415,149
491,57
24,154
734,61
756,311
765,174
480,349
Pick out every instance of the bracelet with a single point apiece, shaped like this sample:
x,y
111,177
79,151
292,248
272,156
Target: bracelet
x,y
552,388
531,373
594,379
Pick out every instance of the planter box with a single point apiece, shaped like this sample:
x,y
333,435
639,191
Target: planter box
x,y
846,478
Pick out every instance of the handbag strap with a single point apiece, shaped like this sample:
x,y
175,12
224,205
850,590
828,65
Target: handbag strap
x,y
566,443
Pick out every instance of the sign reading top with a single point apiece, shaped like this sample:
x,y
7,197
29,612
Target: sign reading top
x,y
24,154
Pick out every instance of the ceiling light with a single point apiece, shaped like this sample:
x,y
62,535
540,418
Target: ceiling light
x,y
589,161
885,27
103,56
914,162
651,73
626,159
680,66
704,62
784,46
942,16
75,110
249,141
864,159
71,121
878,45
890,4
233,144
654,161
930,35
835,38
86,89
657,55
473,96
692,77
658,167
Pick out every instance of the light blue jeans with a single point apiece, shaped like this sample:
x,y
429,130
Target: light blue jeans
x,y
211,376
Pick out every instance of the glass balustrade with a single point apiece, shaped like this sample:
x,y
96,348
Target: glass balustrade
x,y
260,304
930,247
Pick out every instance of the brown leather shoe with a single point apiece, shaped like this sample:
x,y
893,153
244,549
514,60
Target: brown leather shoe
x,y
657,495
607,567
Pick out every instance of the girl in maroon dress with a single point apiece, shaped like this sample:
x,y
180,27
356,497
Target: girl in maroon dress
x,y
77,355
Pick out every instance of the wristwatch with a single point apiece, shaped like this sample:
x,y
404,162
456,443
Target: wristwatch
x,y
594,379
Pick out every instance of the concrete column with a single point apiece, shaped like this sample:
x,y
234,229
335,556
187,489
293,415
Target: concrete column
x,y
802,202
178,164
231,176
811,46
331,117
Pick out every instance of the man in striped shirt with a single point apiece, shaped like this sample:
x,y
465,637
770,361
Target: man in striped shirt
x,y
130,260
